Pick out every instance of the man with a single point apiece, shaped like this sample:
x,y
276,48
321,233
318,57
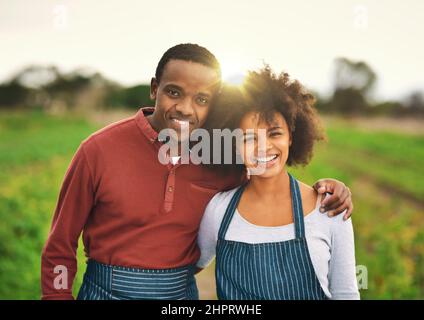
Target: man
x,y
140,218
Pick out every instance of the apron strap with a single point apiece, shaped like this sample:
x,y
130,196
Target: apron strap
x,y
229,213
297,208
296,204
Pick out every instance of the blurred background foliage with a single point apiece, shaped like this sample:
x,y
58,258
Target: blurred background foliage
x,y
375,147
48,88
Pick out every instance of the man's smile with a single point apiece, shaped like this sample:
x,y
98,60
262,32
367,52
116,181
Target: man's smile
x,y
178,122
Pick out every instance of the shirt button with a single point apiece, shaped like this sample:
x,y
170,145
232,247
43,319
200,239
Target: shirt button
x,y
170,189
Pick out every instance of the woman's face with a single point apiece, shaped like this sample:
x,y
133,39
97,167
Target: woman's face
x,y
264,147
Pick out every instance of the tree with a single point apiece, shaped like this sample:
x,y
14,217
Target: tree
x,y
354,75
353,83
415,102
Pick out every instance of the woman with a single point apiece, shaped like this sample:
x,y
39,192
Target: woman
x,y
268,235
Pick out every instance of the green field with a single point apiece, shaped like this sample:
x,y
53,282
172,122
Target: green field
x,y
383,170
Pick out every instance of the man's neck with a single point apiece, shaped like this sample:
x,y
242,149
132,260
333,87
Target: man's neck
x,y
151,120
174,153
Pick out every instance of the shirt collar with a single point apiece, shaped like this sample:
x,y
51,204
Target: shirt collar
x,y
144,125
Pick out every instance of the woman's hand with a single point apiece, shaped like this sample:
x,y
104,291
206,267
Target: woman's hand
x,y
340,199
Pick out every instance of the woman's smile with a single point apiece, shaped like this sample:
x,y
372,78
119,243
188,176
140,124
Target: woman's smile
x,y
269,160
266,146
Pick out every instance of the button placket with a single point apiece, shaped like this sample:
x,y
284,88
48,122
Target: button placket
x,y
169,190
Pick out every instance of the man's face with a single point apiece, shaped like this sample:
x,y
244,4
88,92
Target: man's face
x,y
183,95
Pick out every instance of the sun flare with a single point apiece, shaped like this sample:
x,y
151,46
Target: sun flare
x,y
233,72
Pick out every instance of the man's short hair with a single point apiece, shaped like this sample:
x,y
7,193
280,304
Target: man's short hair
x,y
188,52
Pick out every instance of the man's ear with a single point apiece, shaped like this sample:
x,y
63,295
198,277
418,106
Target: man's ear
x,y
153,88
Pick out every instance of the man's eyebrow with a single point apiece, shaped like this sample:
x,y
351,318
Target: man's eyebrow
x,y
174,86
204,94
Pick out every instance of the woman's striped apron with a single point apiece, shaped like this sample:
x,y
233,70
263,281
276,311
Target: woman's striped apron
x,y
266,271
105,282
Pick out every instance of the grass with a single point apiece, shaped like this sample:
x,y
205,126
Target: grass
x,y
383,170
35,151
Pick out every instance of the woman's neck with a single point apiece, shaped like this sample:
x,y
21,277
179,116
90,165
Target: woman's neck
x,y
268,188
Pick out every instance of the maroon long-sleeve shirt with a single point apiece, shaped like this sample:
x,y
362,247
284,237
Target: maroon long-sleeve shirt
x,y
133,210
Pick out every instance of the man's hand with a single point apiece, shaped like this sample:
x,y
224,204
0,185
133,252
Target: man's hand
x,y
340,199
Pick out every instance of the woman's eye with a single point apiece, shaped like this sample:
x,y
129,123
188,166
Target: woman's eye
x,y
274,134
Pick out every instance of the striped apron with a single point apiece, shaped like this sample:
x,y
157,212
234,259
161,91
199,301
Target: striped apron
x,y
266,271
105,282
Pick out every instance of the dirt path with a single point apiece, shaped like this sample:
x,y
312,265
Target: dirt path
x,y
105,117
413,126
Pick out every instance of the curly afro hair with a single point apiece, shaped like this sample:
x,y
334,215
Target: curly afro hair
x,y
266,93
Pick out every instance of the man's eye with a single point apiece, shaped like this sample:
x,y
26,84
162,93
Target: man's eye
x,y
202,100
173,93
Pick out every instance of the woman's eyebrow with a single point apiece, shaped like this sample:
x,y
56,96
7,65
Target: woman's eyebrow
x,y
274,128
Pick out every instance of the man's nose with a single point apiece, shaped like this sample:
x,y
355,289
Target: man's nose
x,y
185,107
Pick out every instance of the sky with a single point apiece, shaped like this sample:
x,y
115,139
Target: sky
x,y
124,40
